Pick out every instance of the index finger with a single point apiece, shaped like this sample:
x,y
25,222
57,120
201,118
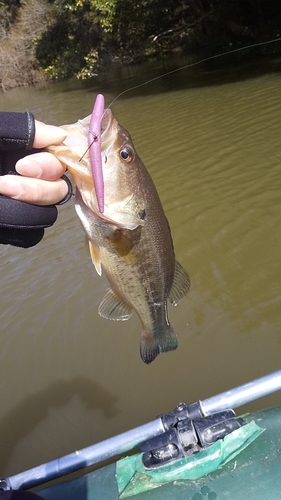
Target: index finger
x,y
46,135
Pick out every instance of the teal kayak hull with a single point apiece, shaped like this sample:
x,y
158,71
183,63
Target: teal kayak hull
x,y
255,474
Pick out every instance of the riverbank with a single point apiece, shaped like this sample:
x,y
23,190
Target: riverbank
x,y
18,65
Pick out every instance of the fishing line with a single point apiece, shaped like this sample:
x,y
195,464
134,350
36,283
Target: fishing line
x,y
95,137
175,71
193,64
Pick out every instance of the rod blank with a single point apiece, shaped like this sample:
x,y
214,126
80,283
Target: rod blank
x,y
128,440
243,394
85,457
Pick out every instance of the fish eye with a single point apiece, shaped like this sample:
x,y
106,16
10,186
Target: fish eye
x,y
126,155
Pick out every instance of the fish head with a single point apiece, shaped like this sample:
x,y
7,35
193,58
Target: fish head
x,y
121,169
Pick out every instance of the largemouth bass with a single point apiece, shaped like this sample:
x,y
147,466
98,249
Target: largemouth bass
x,y
131,240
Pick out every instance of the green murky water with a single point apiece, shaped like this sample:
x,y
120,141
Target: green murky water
x,y
211,141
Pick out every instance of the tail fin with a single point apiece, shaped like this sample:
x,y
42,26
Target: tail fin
x,y
152,345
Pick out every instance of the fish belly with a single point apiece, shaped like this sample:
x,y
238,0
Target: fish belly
x,y
140,274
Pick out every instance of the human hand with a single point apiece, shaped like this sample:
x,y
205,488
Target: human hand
x,y
40,180
27,200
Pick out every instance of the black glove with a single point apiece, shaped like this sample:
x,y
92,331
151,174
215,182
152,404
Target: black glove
x,y
21,224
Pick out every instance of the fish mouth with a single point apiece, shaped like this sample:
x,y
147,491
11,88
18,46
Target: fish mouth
x,y
108,125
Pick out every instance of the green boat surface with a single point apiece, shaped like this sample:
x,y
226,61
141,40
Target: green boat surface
x,y
253,474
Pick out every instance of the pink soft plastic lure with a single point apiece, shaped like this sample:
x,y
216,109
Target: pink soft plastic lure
x,y
94,141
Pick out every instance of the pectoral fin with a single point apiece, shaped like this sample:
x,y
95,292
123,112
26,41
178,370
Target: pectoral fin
x,y
181,284
111,307
95,257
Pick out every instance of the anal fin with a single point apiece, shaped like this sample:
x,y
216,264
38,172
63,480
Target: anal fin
x,y
111,307
181,284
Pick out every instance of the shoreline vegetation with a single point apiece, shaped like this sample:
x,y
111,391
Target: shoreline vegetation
x,y
44,40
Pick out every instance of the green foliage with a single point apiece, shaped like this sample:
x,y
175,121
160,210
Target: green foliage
x,y
91,60
91,33
105,12
61,50
150,25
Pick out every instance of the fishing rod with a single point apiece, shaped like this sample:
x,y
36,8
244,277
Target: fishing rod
x,y
221,404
